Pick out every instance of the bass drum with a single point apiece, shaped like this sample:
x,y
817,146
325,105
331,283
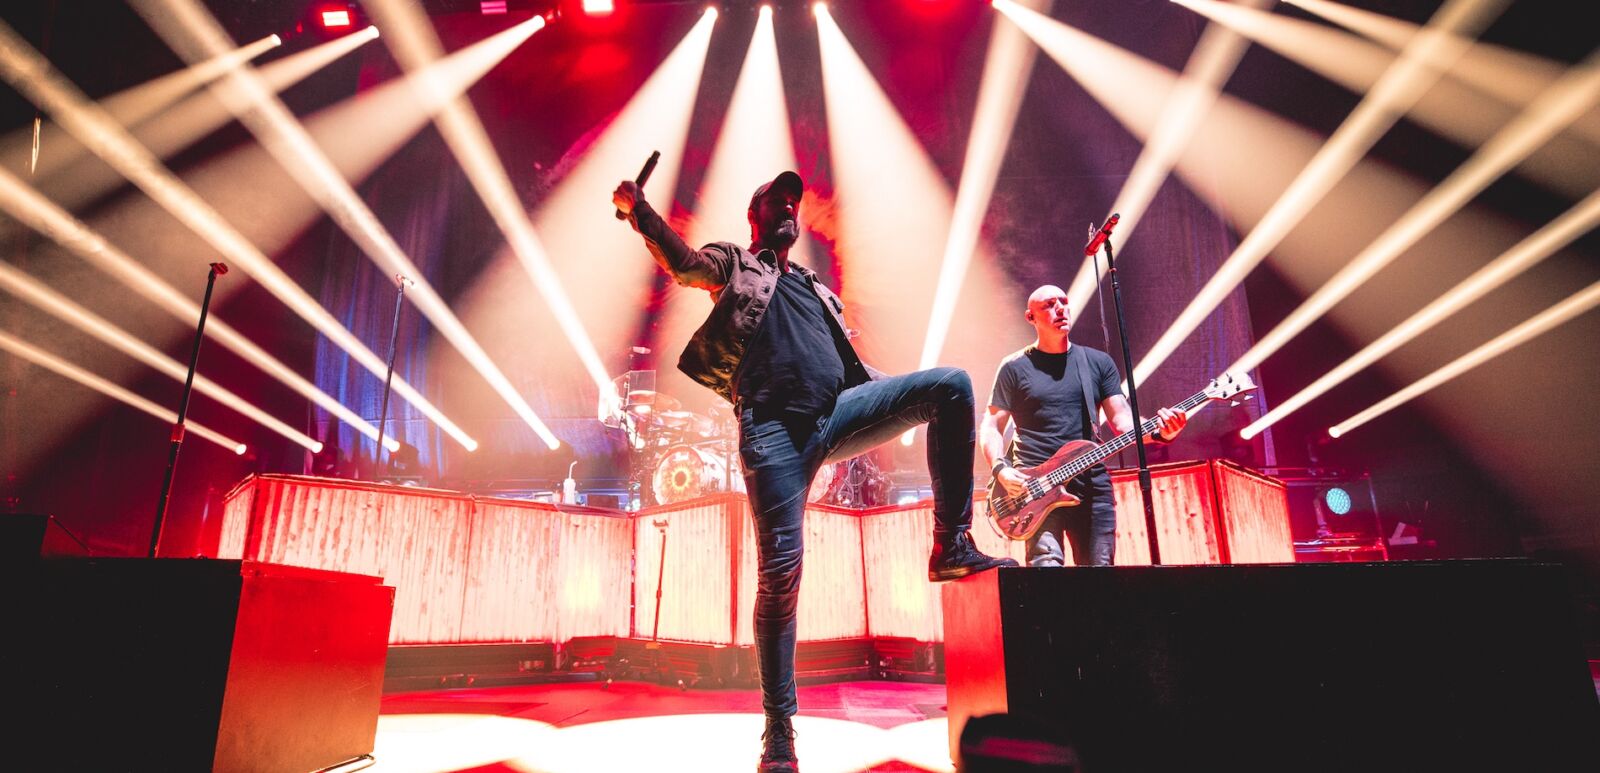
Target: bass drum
x,y
686,472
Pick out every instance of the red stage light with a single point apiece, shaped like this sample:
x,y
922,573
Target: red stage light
x,y
336,19
937,7
331,19
599,7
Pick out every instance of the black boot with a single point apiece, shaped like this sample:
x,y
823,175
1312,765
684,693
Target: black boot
x,y
777,747
957,557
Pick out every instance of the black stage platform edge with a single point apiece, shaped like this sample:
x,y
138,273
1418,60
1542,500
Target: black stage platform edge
x,y
412,667
190,664
31,536
1394,666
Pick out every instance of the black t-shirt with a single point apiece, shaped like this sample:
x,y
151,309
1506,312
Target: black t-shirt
x,y
792,363
1044,393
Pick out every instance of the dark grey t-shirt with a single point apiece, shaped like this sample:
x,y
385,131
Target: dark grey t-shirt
x,y
1044,394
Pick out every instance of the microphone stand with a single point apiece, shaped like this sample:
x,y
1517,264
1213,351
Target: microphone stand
x,y
217,269
1133,400
654,645
388,378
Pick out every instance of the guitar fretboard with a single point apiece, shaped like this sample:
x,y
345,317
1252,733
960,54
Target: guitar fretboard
x,y
1109,448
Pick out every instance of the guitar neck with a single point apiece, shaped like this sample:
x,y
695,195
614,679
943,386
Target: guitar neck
x,y
1115,445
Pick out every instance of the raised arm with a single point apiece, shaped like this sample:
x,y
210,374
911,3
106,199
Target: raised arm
x,y
707,269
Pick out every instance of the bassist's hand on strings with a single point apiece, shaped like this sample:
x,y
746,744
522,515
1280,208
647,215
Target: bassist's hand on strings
x,y
1014,482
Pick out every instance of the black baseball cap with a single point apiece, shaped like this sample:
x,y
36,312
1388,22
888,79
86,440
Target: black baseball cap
x,y
785,181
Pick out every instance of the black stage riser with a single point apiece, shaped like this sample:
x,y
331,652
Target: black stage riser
x,y
28,536
190,664
1459,665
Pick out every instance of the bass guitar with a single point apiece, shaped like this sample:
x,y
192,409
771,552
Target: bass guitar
x,y
1018,516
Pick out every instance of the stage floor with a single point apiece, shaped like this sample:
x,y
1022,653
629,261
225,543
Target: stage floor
x,y
634,726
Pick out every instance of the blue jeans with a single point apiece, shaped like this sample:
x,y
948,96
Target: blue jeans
x,y
781,453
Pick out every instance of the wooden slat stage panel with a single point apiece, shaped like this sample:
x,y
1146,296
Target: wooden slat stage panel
x,y
1255,515
494,570
1185,515
544,574
900,600
898,540
595,575
697,582
416,539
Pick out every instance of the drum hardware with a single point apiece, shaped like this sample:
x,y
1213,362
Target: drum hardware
x,y
855,482
822,483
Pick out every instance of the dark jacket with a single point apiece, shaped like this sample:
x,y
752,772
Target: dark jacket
x,y
741,284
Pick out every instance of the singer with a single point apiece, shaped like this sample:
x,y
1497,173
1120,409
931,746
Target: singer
x,y
775,346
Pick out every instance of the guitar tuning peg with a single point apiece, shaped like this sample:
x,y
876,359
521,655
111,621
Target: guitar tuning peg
x,y
1248,398
1234,403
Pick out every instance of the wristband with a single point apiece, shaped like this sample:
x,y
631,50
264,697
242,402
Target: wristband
x,y
994,470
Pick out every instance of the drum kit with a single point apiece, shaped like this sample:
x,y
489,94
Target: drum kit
x,y
678,455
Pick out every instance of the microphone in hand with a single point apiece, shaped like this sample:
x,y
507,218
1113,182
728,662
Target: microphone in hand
x,y
644,176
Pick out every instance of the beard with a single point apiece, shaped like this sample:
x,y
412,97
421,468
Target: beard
x,y
781,234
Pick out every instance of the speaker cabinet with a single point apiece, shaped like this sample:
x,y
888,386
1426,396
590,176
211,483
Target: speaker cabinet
x,y
191,664
1403,666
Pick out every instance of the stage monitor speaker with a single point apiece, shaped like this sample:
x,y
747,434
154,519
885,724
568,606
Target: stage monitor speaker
x,y
190,664
1398,666
29,536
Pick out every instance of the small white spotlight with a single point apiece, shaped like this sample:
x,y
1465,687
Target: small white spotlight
x,y
239,449
711,11
766,11
371,32
276,41
818,9
538,23
1334,432
316,448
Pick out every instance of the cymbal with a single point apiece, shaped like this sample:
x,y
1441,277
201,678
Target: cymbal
x,y
688,421
643,401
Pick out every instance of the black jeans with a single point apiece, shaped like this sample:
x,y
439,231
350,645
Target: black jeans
x,y
781,454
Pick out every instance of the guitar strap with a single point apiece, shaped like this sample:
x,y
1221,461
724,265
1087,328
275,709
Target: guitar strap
x,y
1079,359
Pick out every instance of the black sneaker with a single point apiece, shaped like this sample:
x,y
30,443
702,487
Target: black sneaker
x,y
777,747
958,558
